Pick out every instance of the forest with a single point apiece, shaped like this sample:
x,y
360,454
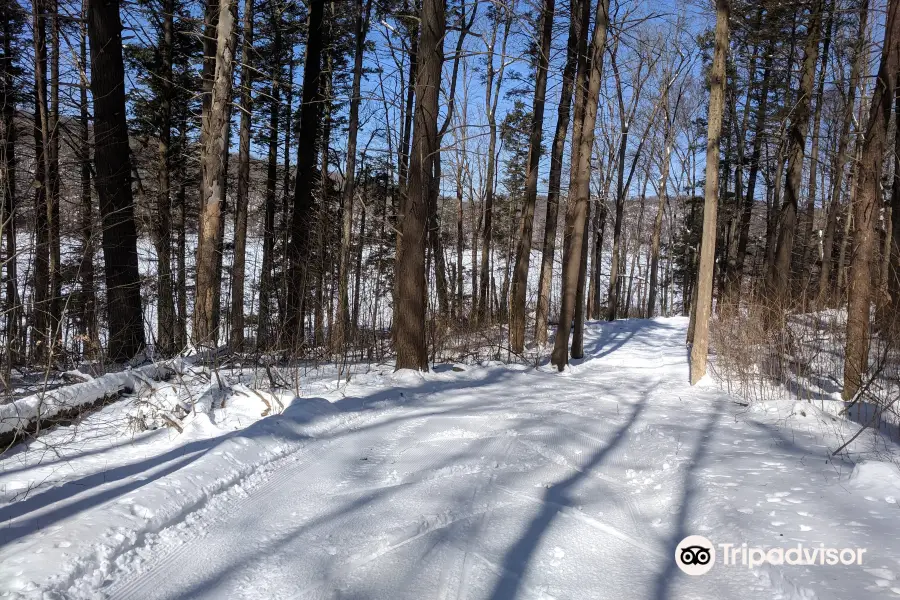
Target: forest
x,y
474,299
414,181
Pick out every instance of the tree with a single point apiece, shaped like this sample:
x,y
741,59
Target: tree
x,y
304,182
779,276
112,159
556,156
243,187
212,178
11,25
703,307
342,321
523,253
579,194
866,204
410,312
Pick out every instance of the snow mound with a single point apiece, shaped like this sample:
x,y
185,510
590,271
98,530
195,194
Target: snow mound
x,y
18,416
876,475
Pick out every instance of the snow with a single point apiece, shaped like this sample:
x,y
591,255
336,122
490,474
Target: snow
x,y
17,415
470,481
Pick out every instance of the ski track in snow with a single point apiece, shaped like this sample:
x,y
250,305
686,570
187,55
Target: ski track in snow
x,y
497,482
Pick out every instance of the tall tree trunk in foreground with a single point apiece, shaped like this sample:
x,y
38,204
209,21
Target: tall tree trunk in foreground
x,y
343,313
304,182
410,312
113,182
88,293
780,275
40,339
894,256
556,157
53,198
866,205
711,196
268,260
165,336
523,254
243,183
212,176
576,212
8,164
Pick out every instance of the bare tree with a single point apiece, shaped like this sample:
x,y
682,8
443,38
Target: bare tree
x,y
410,310
711,196
112,159
865,207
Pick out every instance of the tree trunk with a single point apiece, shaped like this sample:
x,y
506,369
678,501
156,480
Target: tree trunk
x,y
703,304
53,214
809,214
780,275
40,339
556,157
492,96
8,166
866,205
212,179
88,293
243,184
304,182
663,192
343,313
824,291
749,196
894,255
112,160
165,337
268,259
410,311
576,212
523,253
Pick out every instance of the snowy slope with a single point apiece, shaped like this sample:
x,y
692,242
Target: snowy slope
x,y
472,482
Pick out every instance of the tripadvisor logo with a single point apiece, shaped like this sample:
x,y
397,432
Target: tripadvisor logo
x,y
696,555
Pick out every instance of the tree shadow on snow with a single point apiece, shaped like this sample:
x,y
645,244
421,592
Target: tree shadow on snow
x,y
73,497
555,499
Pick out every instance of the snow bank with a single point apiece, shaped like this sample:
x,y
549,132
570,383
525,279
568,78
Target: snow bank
x,y
877,478
25,413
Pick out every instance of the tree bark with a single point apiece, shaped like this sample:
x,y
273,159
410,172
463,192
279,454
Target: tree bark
x,y
212,176
410,312
866,205
268,259
523,252
113,182
8,191
492,97
556,157
40,338
243,184
780,275
165,337
703,303
304,182
824,292
576,213
91,339
342,320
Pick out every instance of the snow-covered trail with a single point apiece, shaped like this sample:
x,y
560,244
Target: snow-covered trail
x,y
520,483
